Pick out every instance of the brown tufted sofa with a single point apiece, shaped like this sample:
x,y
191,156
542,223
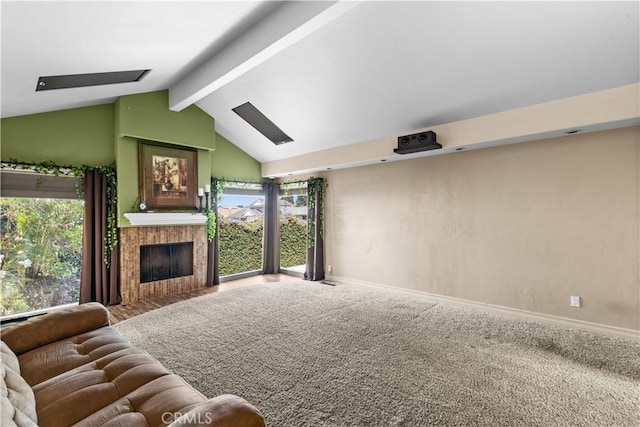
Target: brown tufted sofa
x,y
69,367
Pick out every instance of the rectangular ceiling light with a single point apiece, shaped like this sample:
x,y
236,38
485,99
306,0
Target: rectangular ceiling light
x,y
262,124
93,79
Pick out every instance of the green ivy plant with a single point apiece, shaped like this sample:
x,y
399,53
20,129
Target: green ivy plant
x,y
218,185
51,168
284,186
211,224
315,189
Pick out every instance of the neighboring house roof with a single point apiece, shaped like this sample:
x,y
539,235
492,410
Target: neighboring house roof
x,y
245,214
258,205
226,212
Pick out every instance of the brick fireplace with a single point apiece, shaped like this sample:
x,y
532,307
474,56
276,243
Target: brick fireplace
x,y
132,239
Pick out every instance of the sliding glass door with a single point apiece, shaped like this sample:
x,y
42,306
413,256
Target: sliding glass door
x,y
241,225
293,209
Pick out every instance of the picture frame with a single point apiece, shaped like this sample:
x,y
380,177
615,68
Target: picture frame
x,y
168,176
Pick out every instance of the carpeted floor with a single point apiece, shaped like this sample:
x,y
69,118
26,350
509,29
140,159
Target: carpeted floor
x,y
308,354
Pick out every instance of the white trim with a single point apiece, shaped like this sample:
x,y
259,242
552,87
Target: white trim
x,y
598,328
165,218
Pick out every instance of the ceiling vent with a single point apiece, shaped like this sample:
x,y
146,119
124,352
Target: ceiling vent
x,y
261,123
93,79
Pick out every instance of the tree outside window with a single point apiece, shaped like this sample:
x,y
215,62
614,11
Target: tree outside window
x,y
40,253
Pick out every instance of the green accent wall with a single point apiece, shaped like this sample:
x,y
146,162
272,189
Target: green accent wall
x,y
127,172
68,137
147,116
103,134
231,163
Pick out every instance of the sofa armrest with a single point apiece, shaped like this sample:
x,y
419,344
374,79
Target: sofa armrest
x,y
55,325
225,410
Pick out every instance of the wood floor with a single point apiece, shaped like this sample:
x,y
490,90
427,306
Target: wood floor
x,y
122,312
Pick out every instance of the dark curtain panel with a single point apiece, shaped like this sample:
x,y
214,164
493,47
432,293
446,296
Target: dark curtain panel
x,y
213,251
271,231
315,251
98,282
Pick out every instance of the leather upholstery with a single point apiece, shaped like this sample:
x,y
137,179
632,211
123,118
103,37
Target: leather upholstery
x,y
55,326
95,378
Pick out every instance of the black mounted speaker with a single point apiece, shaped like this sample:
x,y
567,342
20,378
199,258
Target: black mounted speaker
x,y
417,142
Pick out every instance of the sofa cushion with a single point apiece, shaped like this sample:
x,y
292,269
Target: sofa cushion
x,y
97,377
18,403
128,385
55,325
43,363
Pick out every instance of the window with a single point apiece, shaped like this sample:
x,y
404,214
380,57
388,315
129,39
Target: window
x,y
241,225
41,222
293,227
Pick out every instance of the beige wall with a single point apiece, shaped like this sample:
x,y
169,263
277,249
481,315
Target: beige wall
x,y
523,226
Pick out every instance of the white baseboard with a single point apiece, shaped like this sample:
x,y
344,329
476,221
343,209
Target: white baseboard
x,y
524,314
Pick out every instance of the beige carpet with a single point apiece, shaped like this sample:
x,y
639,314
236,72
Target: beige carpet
x,y
308,354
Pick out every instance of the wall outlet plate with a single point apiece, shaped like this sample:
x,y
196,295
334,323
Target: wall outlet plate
x,y
575,301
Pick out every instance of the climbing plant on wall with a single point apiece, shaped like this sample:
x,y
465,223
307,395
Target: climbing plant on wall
x,y
218,185
315,189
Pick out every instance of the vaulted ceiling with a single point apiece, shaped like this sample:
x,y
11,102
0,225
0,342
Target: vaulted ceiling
x,y
328,74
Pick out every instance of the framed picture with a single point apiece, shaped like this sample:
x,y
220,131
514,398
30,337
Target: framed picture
x,y
168,176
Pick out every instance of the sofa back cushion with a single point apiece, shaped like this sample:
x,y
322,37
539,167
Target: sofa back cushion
x,y
56,325
18,404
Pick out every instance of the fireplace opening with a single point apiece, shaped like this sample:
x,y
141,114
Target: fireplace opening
x,y
165,261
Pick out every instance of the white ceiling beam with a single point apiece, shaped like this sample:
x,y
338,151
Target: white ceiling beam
x,y
288,24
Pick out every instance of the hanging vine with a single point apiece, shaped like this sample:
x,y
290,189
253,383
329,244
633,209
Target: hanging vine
x,y
211,224
315,189
218,185
285,186
111,235
51,168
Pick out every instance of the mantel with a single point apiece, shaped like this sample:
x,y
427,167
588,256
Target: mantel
x,y
165,218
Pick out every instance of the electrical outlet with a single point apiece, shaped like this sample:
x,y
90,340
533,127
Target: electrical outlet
x,y
575,301
329,268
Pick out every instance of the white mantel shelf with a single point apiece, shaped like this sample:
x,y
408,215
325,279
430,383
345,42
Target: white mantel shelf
x,y
165,218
